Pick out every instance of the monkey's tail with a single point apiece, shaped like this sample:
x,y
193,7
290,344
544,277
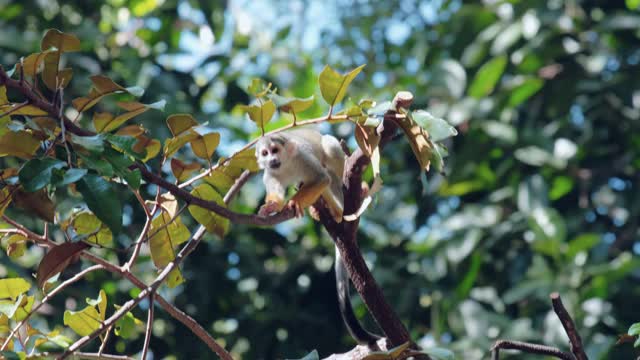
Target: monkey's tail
x,y
356,330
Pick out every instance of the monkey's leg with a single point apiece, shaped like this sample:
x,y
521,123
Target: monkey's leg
x,y
334,198
308,194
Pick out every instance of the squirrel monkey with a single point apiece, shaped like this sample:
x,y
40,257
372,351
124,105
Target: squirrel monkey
x,y
305,158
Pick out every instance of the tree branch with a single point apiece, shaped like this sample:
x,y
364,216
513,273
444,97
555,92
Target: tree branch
x,y
528,348
344,235
569,327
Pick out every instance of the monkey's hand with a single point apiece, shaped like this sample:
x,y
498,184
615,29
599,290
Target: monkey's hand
x,y
297,207
269,208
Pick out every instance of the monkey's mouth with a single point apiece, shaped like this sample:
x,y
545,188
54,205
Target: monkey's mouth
x,y
274,164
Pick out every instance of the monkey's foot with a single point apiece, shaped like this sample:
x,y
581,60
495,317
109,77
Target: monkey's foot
x,y
314,213
269,208
299,210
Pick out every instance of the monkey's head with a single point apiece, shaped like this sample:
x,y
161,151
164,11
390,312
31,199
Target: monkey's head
x,y
273,151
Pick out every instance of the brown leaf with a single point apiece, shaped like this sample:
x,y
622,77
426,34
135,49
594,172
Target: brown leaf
x,y
57,259
37,203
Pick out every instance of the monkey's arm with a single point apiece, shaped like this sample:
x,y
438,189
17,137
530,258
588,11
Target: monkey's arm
x,y
274,200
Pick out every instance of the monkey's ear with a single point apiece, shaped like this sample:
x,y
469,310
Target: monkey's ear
x,y
291,147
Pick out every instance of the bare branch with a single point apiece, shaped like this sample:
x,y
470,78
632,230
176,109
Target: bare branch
x,y
84,355
14,109
147,333
528,348
105,340
569,327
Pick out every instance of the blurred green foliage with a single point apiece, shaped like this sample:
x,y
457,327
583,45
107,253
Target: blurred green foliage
x,y
541,187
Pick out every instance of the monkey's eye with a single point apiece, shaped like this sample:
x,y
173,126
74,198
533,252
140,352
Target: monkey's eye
x,y
274,150
265,153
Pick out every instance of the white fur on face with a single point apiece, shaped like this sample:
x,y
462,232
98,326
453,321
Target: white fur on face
x,y
269,152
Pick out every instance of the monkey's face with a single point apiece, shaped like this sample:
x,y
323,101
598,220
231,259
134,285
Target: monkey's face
x,y
271,153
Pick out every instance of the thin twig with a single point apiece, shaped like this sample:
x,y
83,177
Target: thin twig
x,y
147,333
85,355
14,109
105,340
48,297
529,348
569,327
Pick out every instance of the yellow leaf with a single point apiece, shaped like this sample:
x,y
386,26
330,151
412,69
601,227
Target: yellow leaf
x,y
260,114
101,120
102,86
5,198
87,223
175,143
151,146
179,123
3,95
11,288
131,130
182,171
205,145
167,235
21,307
21,144
83,322
104,122
220,180
169,203
333,85
419,141
16,245
61,41
32,62
29,110
213,222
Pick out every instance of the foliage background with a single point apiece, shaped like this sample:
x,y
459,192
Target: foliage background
x,y
541,192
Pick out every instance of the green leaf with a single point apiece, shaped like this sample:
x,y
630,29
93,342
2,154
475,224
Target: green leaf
x,y
72,175
13,287
561,186
438,129
333,85
213,222
92,143
632,4
437,353
128,326
487,77
101,200
582,242
549,229
11,355
102,166
36,173
125,144
311,356
525,91
634,329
